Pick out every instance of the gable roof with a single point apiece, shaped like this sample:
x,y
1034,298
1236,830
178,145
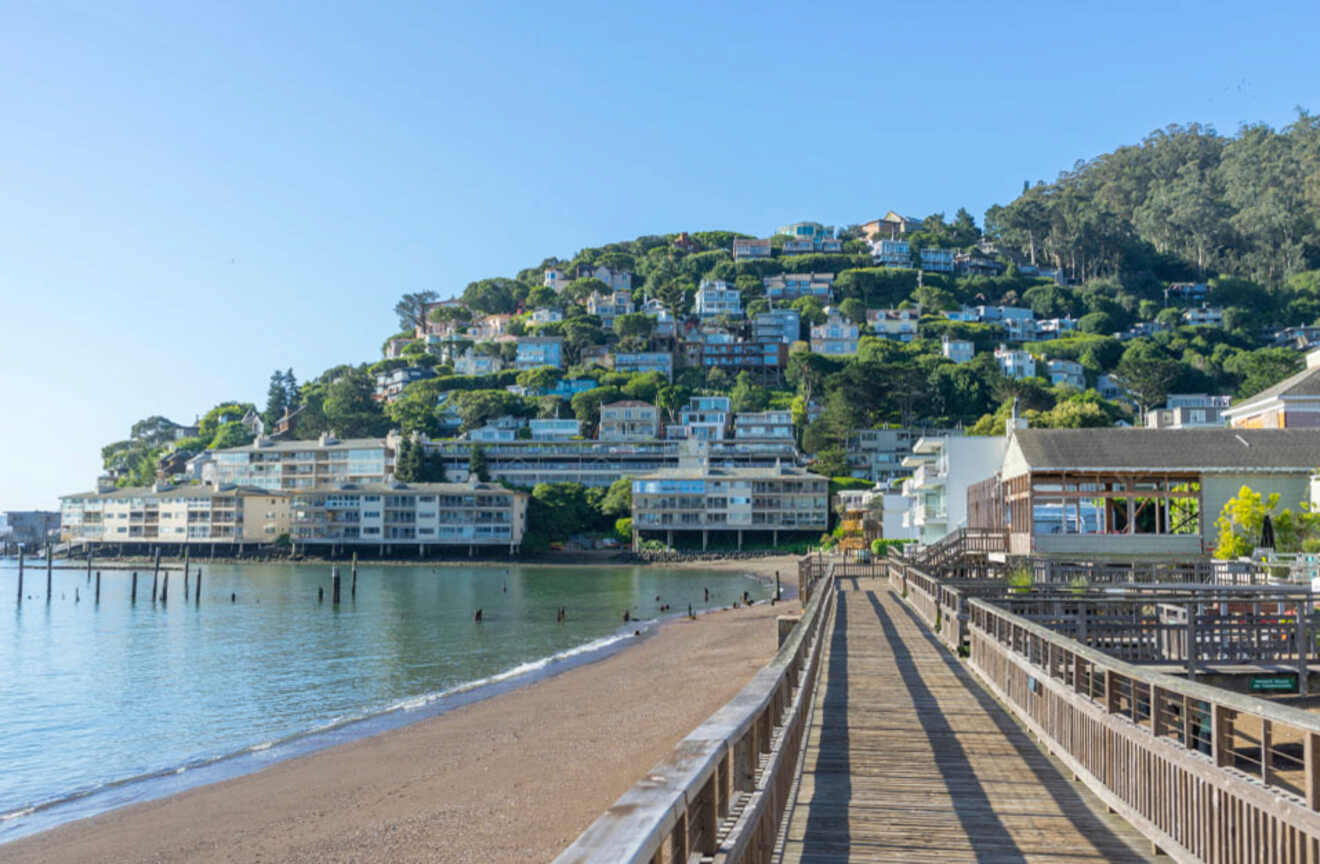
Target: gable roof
x,y
1304,383
1214,450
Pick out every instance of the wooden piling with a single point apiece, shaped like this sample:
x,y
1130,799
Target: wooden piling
x,y
49,563
153,589
354,589
20,577
165,588
185,585
132,594
334,585
197,591
156,571
98,586
89,564
186,550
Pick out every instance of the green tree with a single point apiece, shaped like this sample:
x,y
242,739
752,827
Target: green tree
x,y
1146,376
492,296
618,500
350,409
539,379
477,464
747,395
831,462
411,310
638,325
231,434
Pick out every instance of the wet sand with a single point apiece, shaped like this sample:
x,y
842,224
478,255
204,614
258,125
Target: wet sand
x,y
514,778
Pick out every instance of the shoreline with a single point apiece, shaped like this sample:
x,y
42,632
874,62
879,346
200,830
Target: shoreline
x,y
546,725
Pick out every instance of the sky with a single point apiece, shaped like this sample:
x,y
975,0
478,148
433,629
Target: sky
x,y
193,195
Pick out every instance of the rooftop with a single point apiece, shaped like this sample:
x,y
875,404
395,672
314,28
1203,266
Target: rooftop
x,y
1142,449
1304,383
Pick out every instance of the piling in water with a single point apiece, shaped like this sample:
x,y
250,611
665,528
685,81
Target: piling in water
x,y
334,585
20,579
132,595
98,586
197,595
165,587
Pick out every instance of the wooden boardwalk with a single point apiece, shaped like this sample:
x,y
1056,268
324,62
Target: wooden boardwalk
x,y
909,759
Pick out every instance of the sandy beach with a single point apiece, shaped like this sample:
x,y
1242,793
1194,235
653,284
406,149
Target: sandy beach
x,y
511,779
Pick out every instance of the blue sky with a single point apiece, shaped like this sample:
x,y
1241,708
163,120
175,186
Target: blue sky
x,y
196,194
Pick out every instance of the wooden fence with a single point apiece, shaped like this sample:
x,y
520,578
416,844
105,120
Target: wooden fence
x,y
722,793
1206,774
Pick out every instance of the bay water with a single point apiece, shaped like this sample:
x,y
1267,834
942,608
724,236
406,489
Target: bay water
x,y
110,703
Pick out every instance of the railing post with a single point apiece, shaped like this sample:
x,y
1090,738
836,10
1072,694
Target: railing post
x,y
1156,715
1111,691
1221,728
1266,737
1311,760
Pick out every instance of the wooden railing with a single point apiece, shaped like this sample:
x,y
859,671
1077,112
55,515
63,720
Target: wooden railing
x,y
1206,774
722,793
1204,571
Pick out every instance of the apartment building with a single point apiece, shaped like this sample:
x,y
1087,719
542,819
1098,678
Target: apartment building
x,y
536,351
745,248
763,426
897,324
288,465
645,361
944,468
717,298
703,418
777,325
148,517
699,497
555,429
424,515
891,253
790,286
836,336
723,350
629,420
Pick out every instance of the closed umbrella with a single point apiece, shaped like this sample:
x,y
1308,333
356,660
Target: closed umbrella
x,y
1267,533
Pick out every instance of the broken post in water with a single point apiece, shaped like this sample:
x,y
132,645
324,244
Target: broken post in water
x,y
334,585
354,588
20,577
165,587
197,597
49,562
132,596
98,586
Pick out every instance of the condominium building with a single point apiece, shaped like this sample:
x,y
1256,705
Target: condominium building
x,y
790,286
836,336
629,420
139,518
750,247
717,298
763,426
555,429
944,468
723,350
421,514
324,461
536,351
645,361
891,253
698,497
777,325
704,418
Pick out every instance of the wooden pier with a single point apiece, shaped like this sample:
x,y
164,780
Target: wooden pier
x,y
908,758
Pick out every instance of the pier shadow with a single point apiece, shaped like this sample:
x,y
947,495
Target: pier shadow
x,y
827,815
991,840
1044,773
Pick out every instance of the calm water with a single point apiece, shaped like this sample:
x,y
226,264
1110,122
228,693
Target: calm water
x,y
106,705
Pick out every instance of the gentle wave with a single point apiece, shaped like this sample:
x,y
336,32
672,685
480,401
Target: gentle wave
x,y
403,706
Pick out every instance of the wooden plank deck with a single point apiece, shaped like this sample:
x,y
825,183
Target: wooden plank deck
x,y
908,758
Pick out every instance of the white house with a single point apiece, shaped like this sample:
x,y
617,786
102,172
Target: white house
x,y
957,350
1015,364
944,468
717,298
837,335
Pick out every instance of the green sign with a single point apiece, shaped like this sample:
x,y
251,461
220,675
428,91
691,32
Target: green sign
x,y
1273,684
